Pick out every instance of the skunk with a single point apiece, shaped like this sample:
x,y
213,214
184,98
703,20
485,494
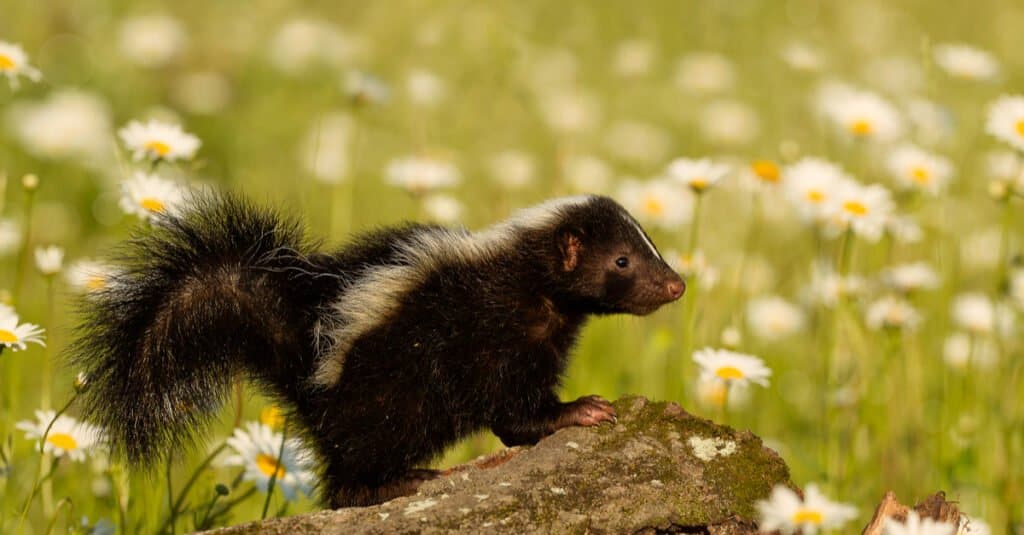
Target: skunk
x,y
385,351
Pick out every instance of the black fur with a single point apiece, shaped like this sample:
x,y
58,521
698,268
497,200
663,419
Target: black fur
x,y
226,288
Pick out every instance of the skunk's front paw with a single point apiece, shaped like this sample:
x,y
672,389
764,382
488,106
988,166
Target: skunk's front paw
x,y
587,410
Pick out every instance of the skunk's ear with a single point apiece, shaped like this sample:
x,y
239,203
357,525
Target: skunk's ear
x,y
570,245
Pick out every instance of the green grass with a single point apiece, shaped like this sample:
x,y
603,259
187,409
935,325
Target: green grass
x,y
914,425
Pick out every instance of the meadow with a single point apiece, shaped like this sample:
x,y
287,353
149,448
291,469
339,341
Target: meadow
x,y
841,184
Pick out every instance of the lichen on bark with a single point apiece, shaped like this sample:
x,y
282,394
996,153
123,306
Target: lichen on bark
x,y
640,475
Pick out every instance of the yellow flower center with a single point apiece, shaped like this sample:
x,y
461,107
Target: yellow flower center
x,y
920,175
95,282
159,147
63,441
807,516
6,63
1019,125
272,417
151,204
654,206
855,208
815,196
8,336
766,170
861,127
729,372
698,183
267,463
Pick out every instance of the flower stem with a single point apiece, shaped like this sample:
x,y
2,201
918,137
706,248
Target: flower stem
x,y
695,226
47,364
42,456
277,469
176,506
831,437
690,308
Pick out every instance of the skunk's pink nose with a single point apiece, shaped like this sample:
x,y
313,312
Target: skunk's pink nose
x,y
676,288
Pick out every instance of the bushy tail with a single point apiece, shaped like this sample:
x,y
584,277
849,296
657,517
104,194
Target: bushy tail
x,y
219,289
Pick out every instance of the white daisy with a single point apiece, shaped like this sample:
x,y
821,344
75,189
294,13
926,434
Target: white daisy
x,y
570,110
256,450
810,184
698,175
863,208
965,61
146,195
633,58
828,286
365,88
68,123
157,140
657,202
202,92
10,236
587,173
892,312
421,174
731,337
728,122
693,266
802,57
863,115
705,72
1006,120
979,249
784,511
325,149
911,277
772,317
67,436
637,142
88,275
730,366
512,169
903,229
972,526
152,40
49,259
962,351
15,335
915,525
917,169
931,122
975,313
1003,164
425,88
14,63
442,208
301,44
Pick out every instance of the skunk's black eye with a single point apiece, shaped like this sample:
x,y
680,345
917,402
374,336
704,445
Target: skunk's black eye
x,y
622,262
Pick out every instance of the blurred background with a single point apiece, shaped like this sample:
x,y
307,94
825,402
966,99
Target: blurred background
x,y
360,114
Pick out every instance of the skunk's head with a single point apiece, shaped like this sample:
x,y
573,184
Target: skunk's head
x,y
606,262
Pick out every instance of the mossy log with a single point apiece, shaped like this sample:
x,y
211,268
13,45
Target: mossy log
x,y
658,469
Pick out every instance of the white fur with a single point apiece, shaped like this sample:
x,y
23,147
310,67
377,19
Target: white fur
x,y
643,236
376,296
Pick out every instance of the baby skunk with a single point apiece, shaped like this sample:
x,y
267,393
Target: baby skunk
x,y
386,351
